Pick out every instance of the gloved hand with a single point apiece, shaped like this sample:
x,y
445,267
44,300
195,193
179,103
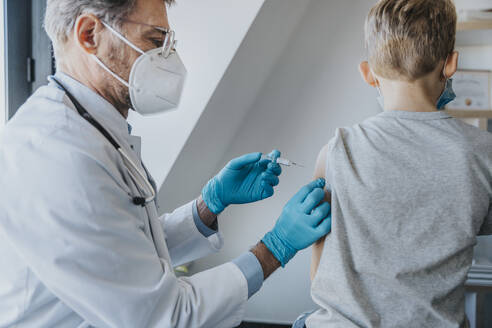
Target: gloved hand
x,y
246,179
304,220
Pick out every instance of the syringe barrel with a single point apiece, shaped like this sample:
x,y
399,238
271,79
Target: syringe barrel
x,y
280,160
283,161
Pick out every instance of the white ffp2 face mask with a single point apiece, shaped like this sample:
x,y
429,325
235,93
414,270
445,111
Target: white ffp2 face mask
x,y
156,82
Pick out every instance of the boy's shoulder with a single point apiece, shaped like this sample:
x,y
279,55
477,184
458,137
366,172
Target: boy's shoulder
x,y
343,134
477,140
448,129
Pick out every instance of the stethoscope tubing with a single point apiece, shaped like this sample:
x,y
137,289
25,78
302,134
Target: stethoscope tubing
x,y
133,170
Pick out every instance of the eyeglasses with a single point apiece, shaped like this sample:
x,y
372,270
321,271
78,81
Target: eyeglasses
x,y
169,44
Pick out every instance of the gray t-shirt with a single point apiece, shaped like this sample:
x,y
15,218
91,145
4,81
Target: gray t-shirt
x,y
410,193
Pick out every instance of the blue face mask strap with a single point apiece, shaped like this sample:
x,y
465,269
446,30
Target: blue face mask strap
x,y
448,94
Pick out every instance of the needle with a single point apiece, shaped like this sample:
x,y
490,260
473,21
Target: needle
x,y
286,162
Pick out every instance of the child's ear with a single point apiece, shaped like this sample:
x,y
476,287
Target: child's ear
x,y
367,75
451,65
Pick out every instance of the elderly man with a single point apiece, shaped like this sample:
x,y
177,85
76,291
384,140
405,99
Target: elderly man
x,y
81,244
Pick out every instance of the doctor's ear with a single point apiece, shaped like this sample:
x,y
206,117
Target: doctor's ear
x,y
367,75
87,32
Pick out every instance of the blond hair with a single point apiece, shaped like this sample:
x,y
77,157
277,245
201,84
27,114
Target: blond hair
x,y
407,39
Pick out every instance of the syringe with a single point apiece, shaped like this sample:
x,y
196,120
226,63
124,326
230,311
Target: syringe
x,y
283,161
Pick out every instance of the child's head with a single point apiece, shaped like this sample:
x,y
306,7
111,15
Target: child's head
x,y
410,40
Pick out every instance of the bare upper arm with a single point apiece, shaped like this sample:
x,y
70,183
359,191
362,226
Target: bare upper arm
x,y
320,169
319,172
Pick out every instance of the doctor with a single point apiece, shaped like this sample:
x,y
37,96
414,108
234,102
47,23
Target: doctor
x,y
81,244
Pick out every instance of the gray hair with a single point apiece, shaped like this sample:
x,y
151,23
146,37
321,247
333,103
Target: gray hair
x,y
61,15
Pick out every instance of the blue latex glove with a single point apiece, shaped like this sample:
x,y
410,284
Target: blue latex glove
x,y
246,179
305,219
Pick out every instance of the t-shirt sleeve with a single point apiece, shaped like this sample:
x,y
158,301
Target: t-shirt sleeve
x,y
487,224
328,160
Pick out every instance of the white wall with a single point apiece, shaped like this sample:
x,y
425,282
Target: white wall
x,y
239,88
314,88
209,34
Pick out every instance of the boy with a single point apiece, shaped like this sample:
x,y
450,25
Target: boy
x,y
410,189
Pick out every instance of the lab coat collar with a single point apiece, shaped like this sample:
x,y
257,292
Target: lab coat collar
x,y
97,106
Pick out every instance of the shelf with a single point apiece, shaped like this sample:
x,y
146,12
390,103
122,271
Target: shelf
x,y
479,278
475,25
465,113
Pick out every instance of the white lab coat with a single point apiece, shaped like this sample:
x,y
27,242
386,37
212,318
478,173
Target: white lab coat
x,y
75,251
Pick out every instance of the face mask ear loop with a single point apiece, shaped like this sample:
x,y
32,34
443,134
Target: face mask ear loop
x,y
122,38
444,68
444,73
379,90
110,71
376,82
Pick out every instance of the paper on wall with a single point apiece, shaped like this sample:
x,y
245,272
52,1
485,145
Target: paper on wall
x,y
472,90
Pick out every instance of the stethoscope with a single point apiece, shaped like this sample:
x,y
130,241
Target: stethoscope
x,y
139,178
